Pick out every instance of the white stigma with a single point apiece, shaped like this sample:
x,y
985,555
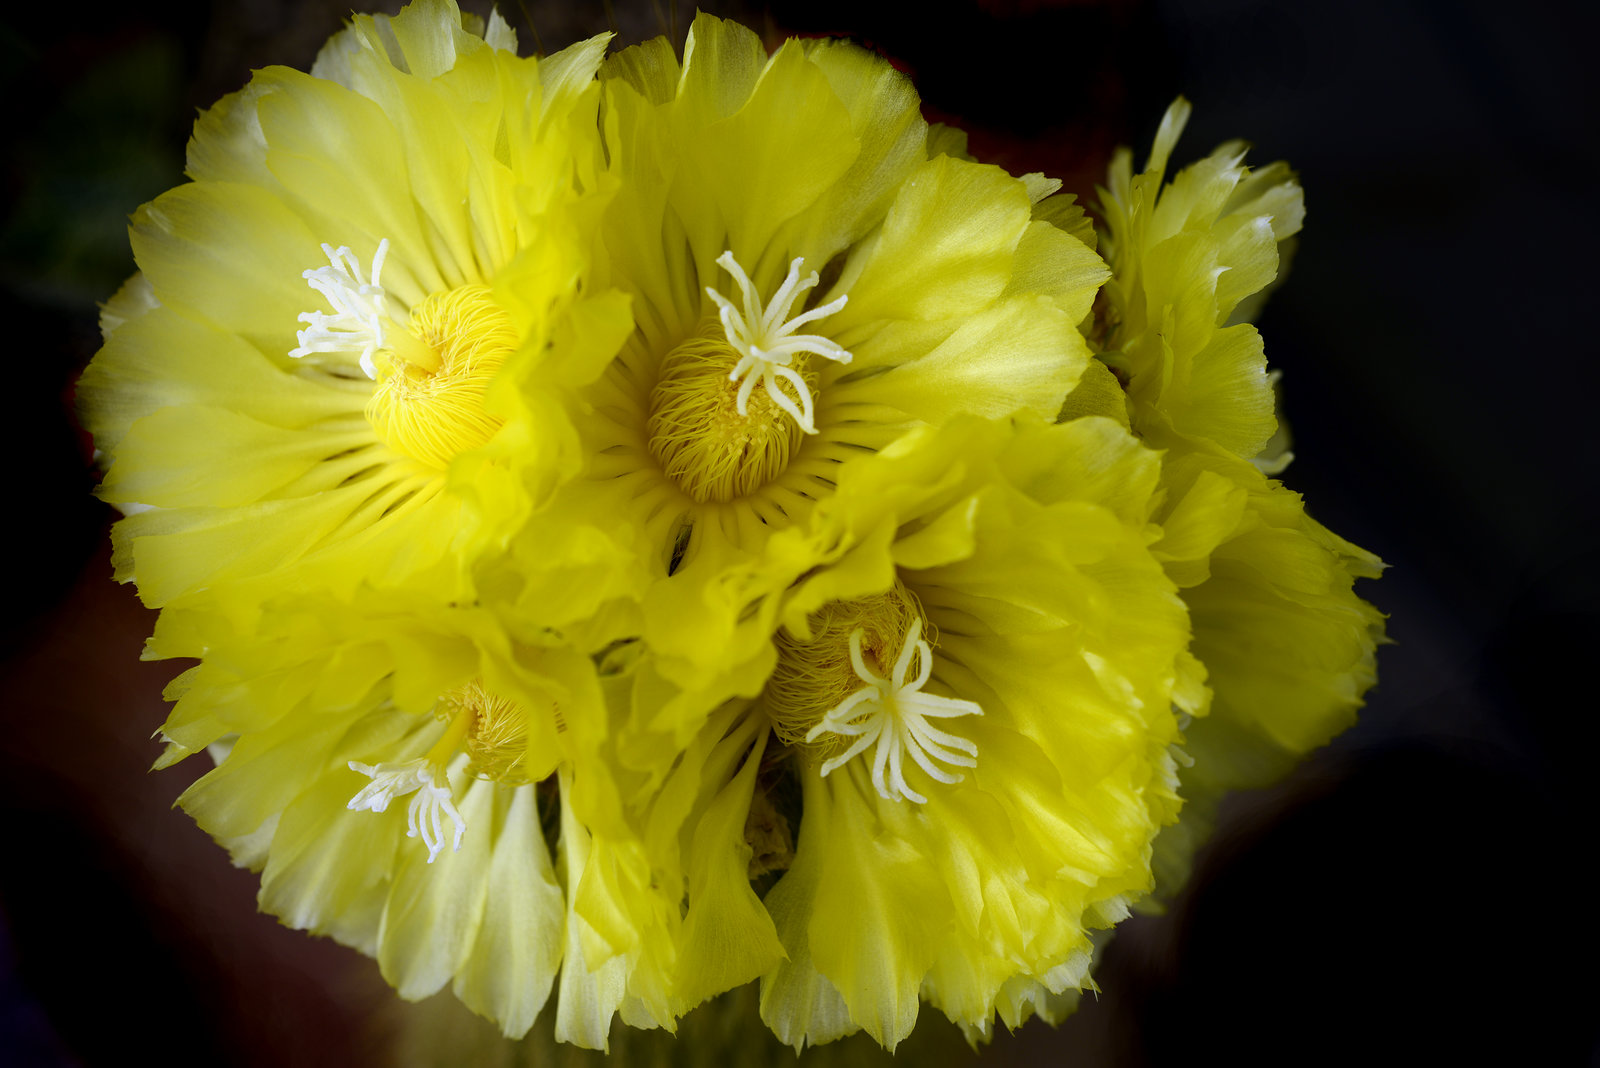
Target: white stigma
x,y
430,784
766,340
360,308
894,713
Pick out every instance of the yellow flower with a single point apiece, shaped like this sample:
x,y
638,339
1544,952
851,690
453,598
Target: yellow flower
x,y
623,521
810,278
391,773
1288,648
1186,261
957,764
298,392
977,693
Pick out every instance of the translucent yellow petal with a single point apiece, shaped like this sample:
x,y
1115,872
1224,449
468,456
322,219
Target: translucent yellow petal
x,y
946,140
435,909
1088,460
513,963
316,539
162,359
722,61
944,250
1065,213
188,243
889,892
1207,511
1016,355
728,938
1249,249
650,68
588,997
431,36
328,146
328,869
1056,263
569,73
1097,393
886,119
798,1003
746,173
227,145
171,473
264,772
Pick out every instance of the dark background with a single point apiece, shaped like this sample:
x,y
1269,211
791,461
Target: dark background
x,y
1413,894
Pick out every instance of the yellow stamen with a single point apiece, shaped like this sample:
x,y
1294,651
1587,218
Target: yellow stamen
x,y
704,443
432,376
497,734
812,677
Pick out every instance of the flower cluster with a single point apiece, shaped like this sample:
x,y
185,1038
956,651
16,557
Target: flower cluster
x,y
756,541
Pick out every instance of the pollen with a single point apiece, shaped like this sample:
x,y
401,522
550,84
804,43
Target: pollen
x,y
428,403
713,447
497,732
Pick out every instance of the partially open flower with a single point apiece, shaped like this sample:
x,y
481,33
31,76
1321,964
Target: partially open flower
x,y
1288,646
1190,261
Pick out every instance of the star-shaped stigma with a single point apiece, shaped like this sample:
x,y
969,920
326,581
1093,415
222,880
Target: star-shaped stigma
x,y
894,713
360,308
430,785
766,341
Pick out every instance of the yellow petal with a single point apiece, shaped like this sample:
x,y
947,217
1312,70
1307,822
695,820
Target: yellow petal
x,y
728,938
513,963
944,250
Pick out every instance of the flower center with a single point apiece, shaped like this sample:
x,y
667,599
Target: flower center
x,y
494,732
812,677
431,372
713,447
429,400
497,732
858,684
